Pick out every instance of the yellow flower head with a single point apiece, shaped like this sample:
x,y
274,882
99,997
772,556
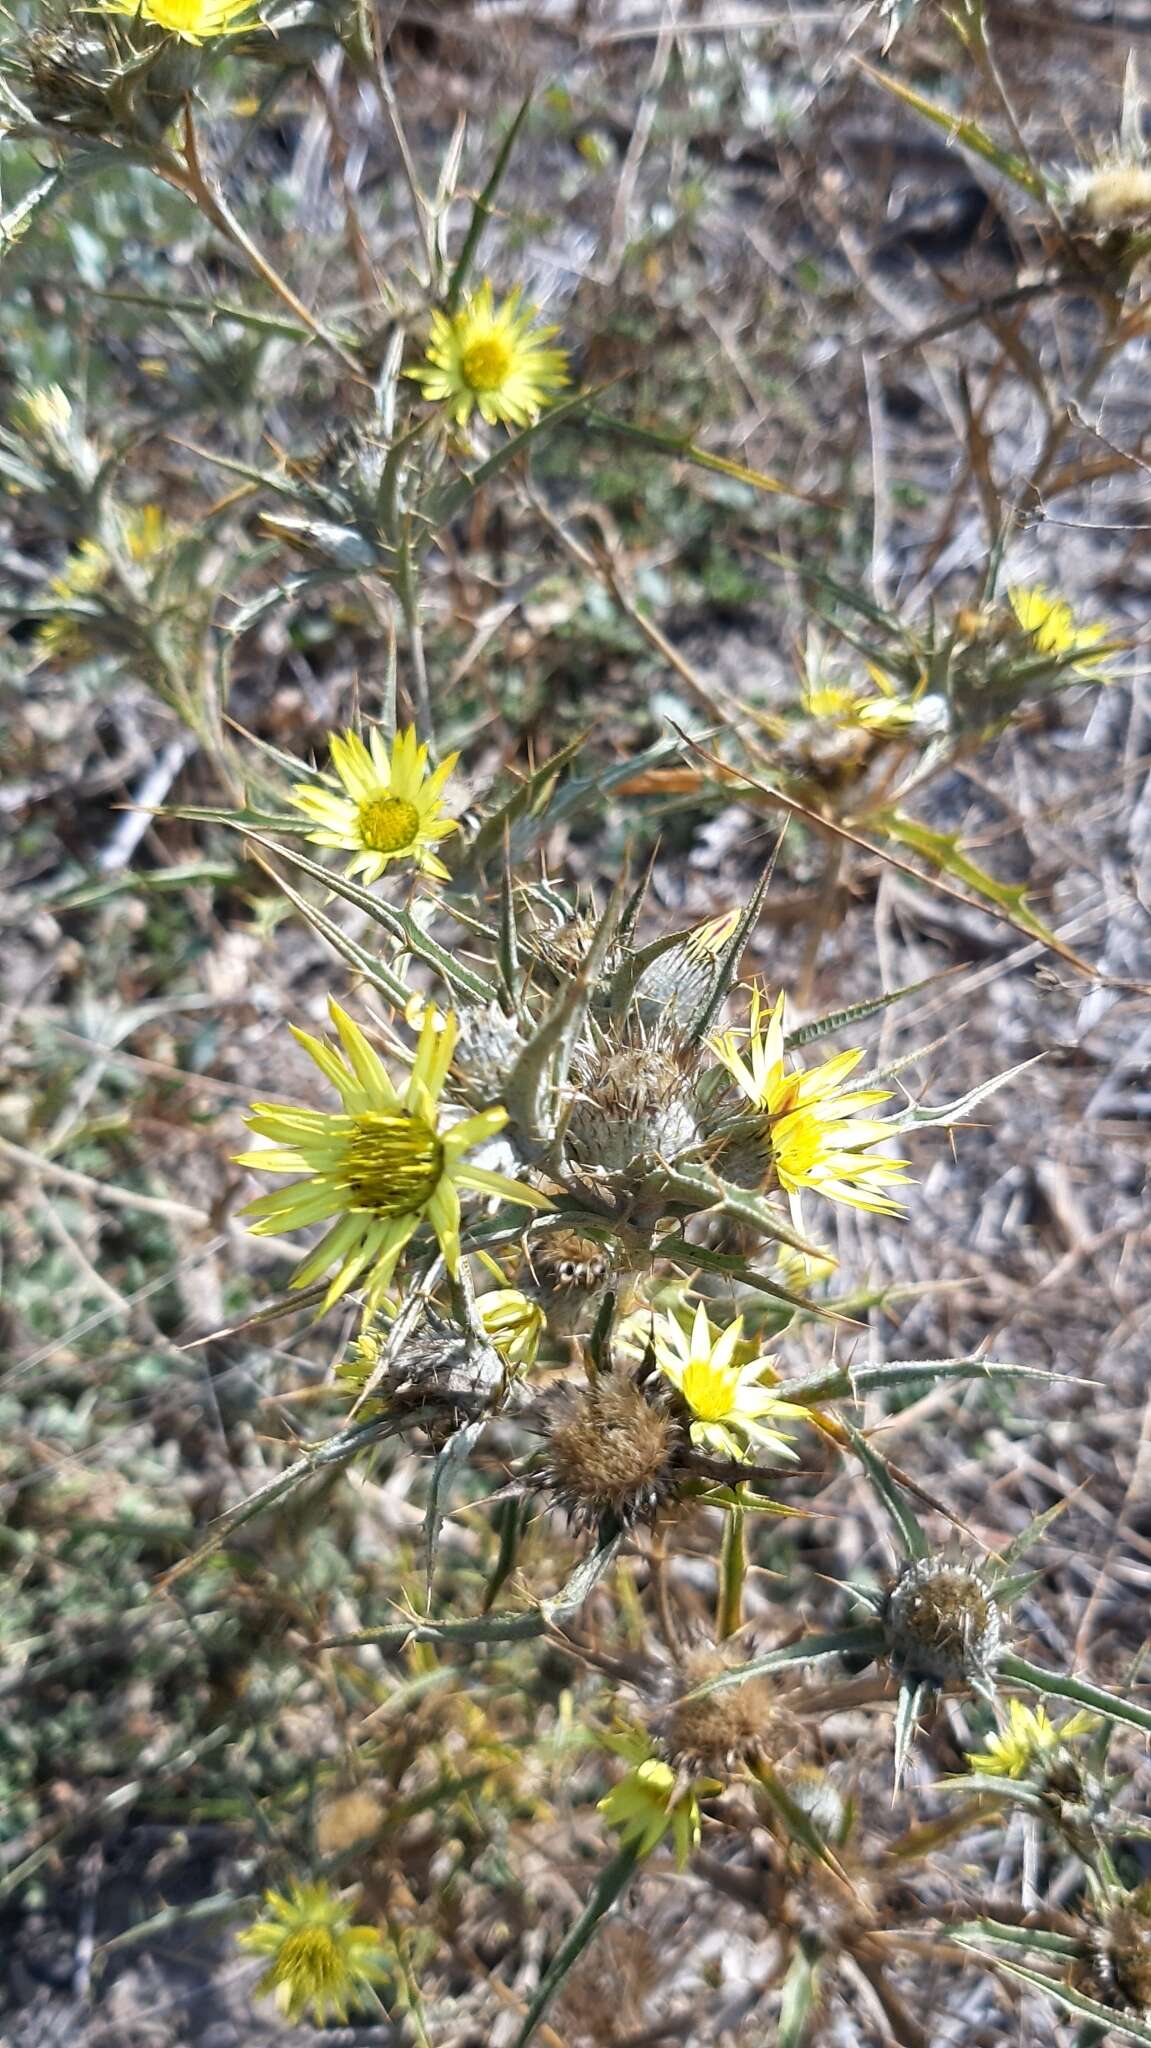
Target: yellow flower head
x,y
194,21
487,357
651,1801
144,536
381,1166
319,1961
390,806
727,1398
512,1324
887,715
1028,1737
817,1136
1051,624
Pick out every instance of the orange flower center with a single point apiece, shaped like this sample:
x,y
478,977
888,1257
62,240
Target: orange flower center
x,y
387,824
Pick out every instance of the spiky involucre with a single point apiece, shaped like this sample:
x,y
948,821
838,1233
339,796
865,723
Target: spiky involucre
x,y
943,1623
612,1451
739,1724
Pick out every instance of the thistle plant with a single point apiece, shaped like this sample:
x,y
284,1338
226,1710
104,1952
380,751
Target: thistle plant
x,y
563,1499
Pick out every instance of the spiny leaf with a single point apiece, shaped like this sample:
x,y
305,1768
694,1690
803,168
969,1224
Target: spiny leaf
x,y
867,1639
911,1698
1056,1685
921,1117
945,852
448,1460
847,1382
1124,2025
855,1013
373,970
904,1522
518,1626
400,924
482,209
682,449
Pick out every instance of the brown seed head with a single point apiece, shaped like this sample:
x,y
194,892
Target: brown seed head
x,y
612,1452
739,1724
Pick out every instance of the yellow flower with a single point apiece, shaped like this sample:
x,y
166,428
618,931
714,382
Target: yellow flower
x,y
194,21
512,1324
485,356
887,715
727,1399
1051,624
818,1138
144,536
319,1961
381,1166
1028,1737
390,809
651,1801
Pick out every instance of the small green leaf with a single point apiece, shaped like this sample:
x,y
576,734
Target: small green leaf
x,y
944,851
799,1999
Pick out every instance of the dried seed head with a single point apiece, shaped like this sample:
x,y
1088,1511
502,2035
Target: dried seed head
x,y
612,1450
943,1623
1122,1957
709,1737
349,1818
635,1103
447,1370
487,1047
1116,195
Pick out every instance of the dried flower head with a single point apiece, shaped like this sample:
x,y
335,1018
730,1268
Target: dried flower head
x,y
381,1166
319,1962
943,1623
738,1724
612,1450
1122,1955
390,806
347,1819
1110,196
487,358
813,1132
